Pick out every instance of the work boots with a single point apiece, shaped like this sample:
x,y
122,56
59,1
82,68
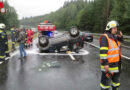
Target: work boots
x,y
115,88
104,89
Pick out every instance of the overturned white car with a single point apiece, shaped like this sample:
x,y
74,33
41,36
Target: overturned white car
x,y
69,41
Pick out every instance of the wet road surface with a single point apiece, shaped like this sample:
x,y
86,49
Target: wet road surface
x,y
54,72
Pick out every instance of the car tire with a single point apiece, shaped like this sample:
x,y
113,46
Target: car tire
x,y
45,41
74,32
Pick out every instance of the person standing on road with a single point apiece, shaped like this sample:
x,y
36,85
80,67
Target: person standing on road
x,y
29,34
21,40
28,38
6,46
2,42
13,36
31,37
110,56
25,38
16,34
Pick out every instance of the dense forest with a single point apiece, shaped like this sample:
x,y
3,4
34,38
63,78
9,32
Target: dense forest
x,y
10,17
91,15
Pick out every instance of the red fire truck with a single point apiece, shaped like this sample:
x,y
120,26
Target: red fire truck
x,y
2,9
46,28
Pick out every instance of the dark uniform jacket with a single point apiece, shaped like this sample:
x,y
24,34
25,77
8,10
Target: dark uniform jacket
x,y
2,37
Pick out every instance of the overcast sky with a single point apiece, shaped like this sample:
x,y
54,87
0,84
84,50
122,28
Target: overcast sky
x,y
27,8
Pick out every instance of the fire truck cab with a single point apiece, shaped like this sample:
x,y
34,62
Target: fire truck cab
x,y
2,9
46,28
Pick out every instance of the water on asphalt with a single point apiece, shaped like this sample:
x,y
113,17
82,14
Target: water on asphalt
x,y
53,72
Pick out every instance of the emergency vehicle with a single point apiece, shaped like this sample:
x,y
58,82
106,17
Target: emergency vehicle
x,y
2,9
68,41
46,28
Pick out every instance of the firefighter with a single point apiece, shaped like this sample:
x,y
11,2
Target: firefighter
x,y
16,34
25,38
2,42
31,37
25,43
6,46
28,38
13,37
110,56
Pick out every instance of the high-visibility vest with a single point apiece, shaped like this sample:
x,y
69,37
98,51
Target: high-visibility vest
x,y
113,54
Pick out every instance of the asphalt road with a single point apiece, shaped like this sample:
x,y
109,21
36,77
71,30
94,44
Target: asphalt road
x,y
57,72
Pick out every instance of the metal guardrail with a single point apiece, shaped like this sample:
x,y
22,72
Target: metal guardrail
x,y
125,36
125,43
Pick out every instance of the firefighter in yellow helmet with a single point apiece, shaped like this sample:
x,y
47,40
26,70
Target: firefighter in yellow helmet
x,y
110,56
3,43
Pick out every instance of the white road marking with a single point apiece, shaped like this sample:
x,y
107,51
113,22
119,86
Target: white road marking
x,y
98,47
92,44
35,51
1,62
125,57
14,53
7,58
39,69
71,56
81,52
11,55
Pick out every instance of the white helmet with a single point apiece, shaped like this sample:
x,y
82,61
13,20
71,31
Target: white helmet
x,y
2,26
111,25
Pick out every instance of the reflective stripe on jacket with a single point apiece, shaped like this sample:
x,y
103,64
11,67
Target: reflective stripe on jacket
x,y
2,36
113,54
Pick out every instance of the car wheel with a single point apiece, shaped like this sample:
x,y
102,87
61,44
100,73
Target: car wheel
x,y
74,32
43,41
